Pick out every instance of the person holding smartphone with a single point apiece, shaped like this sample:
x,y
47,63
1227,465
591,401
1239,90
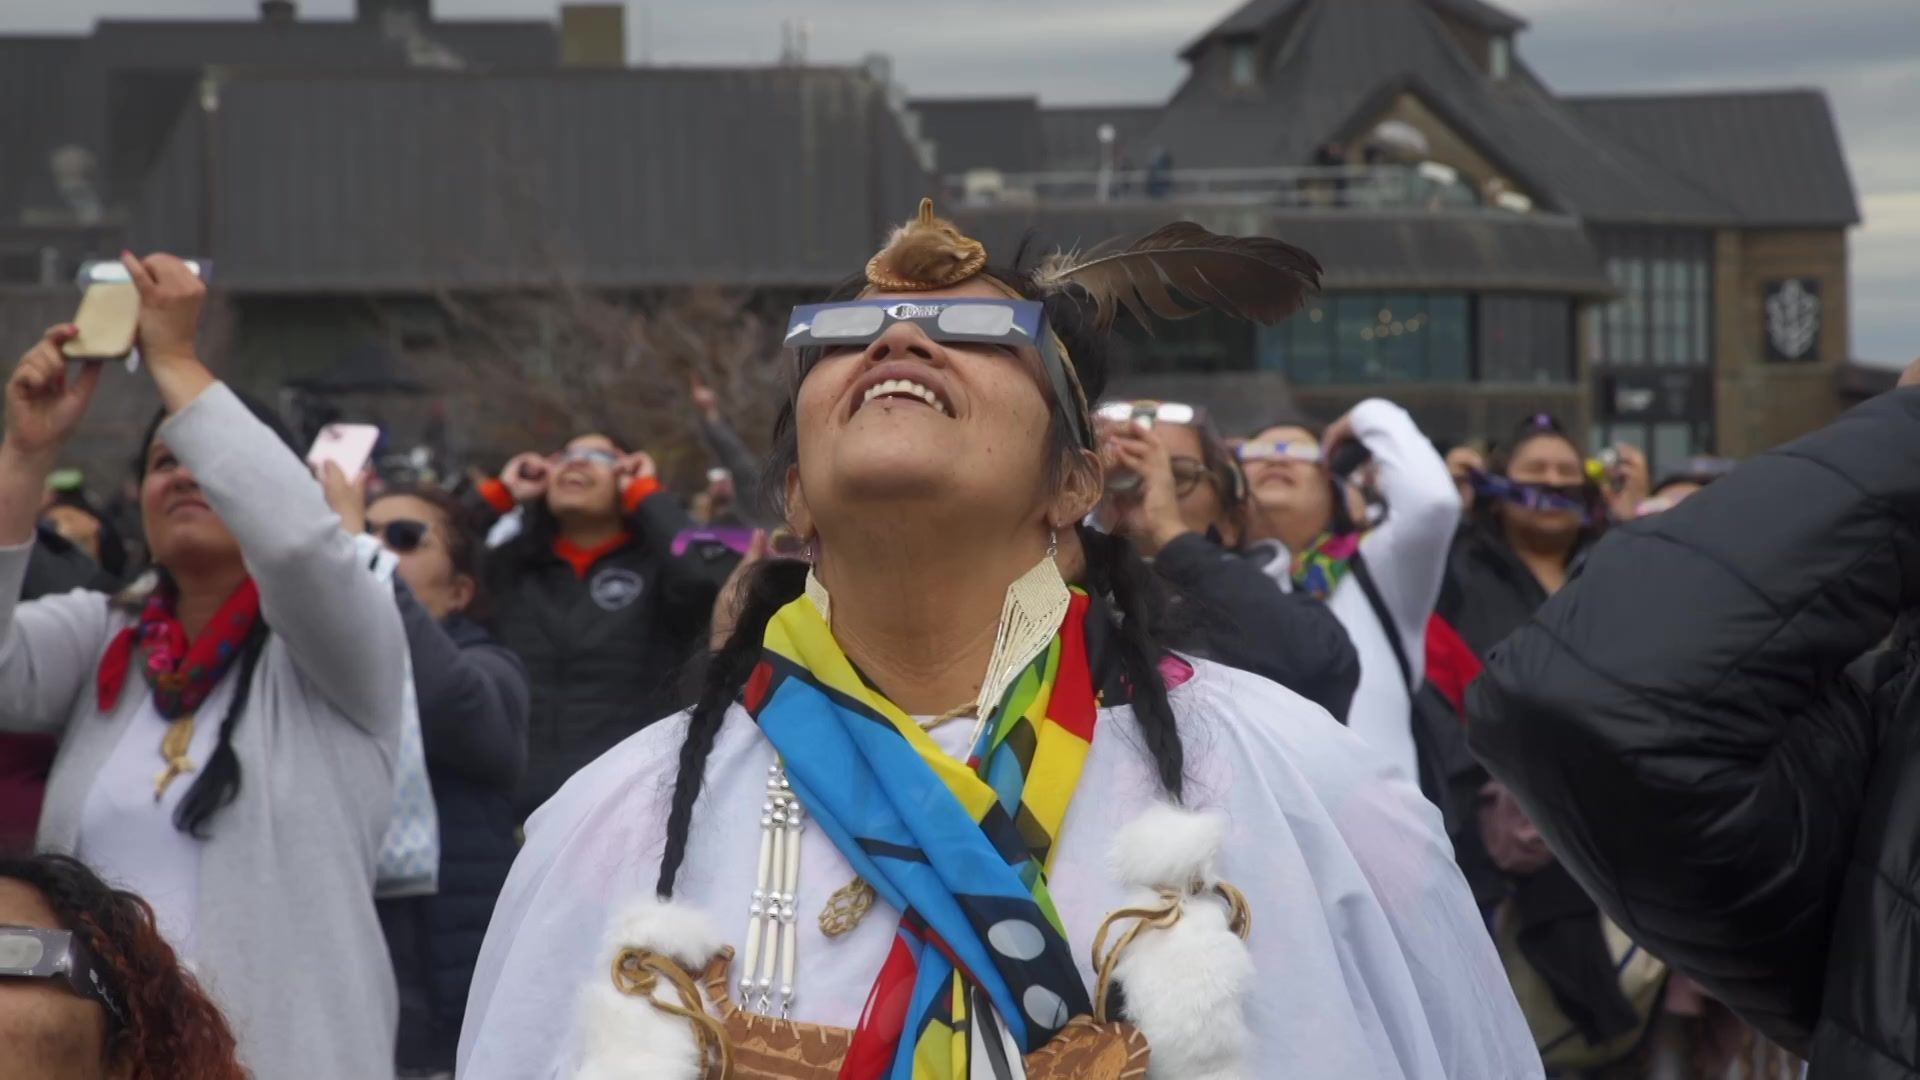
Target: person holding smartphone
x,y
1378,565
228,727
586,590
1184,508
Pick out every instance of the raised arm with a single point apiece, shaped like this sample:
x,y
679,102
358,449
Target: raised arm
x,y
48,648
1407,554
337,622
1677,722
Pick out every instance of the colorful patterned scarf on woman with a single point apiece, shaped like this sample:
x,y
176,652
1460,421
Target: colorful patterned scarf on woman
x,y
181,675
961,849
1317,570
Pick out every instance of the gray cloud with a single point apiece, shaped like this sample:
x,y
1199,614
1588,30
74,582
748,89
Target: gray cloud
x,y
1862,52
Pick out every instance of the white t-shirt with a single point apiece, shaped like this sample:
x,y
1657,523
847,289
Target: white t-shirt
x,y
128,838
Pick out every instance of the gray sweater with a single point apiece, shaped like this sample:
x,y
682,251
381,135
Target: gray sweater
x,y
288,942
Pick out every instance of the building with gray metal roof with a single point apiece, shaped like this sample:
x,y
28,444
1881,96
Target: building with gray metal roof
x,y
1667,269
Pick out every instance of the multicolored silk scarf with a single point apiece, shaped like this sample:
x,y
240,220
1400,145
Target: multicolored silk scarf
x,y
961,848
1317,570
180,674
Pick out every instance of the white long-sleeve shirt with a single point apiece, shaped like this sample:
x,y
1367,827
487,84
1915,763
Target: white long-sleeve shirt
x,y
1407,555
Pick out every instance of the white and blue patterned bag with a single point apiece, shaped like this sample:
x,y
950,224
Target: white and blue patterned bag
x,y
410,855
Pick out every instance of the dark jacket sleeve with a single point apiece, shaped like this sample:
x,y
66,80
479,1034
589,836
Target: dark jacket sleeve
x,y
55,566
473,700
730,453
1678,722
1250,623
688,582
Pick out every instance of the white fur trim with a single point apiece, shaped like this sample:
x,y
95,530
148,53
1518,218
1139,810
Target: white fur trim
x,y
1168,847
1185,985
624,1038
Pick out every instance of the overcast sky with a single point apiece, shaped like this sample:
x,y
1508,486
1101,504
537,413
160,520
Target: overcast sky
x,y
1864,53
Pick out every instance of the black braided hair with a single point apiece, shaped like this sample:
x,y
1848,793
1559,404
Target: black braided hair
x,y
1114,571
770,586
219,781
1141,602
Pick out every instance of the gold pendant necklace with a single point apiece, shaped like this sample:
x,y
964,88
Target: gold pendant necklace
x,y
173,750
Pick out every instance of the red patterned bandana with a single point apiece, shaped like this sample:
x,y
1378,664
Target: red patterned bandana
x,y
181,675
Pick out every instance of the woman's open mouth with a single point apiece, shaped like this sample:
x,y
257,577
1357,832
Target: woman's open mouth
x,y
906,390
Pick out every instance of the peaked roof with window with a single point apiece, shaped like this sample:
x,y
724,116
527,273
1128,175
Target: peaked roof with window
x,y
1326,70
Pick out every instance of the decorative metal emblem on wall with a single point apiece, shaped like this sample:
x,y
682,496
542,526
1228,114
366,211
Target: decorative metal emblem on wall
x,y
1793,312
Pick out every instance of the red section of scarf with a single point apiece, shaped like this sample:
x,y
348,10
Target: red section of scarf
x,y
877,1037
180,674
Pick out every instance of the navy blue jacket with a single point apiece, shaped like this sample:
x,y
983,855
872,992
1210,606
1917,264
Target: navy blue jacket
x,y
473,702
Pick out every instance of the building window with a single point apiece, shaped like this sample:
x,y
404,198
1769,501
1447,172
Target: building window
x,y
1372,338
1242,65
1526,339
1664,313
1206,343
1500,57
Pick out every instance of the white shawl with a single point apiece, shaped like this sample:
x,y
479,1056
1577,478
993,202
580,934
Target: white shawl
x,y
1369,957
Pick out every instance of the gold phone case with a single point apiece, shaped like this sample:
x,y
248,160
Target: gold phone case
x,y
108,317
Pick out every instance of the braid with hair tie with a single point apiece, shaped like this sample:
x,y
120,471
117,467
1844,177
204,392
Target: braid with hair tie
x,y
1117,571
770,586
219,781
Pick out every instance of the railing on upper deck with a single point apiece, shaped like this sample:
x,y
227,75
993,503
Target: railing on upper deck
x,y
1427,186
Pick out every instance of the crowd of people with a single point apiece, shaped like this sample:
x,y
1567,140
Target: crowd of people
x,y
1368,754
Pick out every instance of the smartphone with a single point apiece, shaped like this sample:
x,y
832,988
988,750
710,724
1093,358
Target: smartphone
x,y
108,318
349,446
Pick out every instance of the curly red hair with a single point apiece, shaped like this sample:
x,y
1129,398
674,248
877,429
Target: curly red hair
x,y
173,1031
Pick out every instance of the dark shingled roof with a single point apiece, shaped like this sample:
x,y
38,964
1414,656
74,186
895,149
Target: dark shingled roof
x,y
1484,251
983,133
1072,134
117,90
1774,156
1246,20
1484,15
36,92
1344,60
620,178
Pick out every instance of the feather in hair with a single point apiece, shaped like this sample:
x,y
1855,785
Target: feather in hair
x,y
924,254
1249,277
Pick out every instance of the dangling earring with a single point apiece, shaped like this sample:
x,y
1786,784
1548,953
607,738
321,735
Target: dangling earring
x,y
817,590
1036,603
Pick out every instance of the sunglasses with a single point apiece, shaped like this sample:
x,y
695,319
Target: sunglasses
x,y
589,455
28,952
1277,450
400,535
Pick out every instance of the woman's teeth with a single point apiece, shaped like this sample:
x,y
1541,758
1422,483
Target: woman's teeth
x,y
908,388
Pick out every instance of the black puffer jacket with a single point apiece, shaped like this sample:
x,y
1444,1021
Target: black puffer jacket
x,y
472,696
1241,618
1681,723
607,653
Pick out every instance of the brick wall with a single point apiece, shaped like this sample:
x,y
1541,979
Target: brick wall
x,y
1760,404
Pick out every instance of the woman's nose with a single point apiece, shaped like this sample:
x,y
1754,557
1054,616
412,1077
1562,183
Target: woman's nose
x,y
904,340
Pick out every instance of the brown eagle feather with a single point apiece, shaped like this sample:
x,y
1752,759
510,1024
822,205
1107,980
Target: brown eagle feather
x,y
1249,277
